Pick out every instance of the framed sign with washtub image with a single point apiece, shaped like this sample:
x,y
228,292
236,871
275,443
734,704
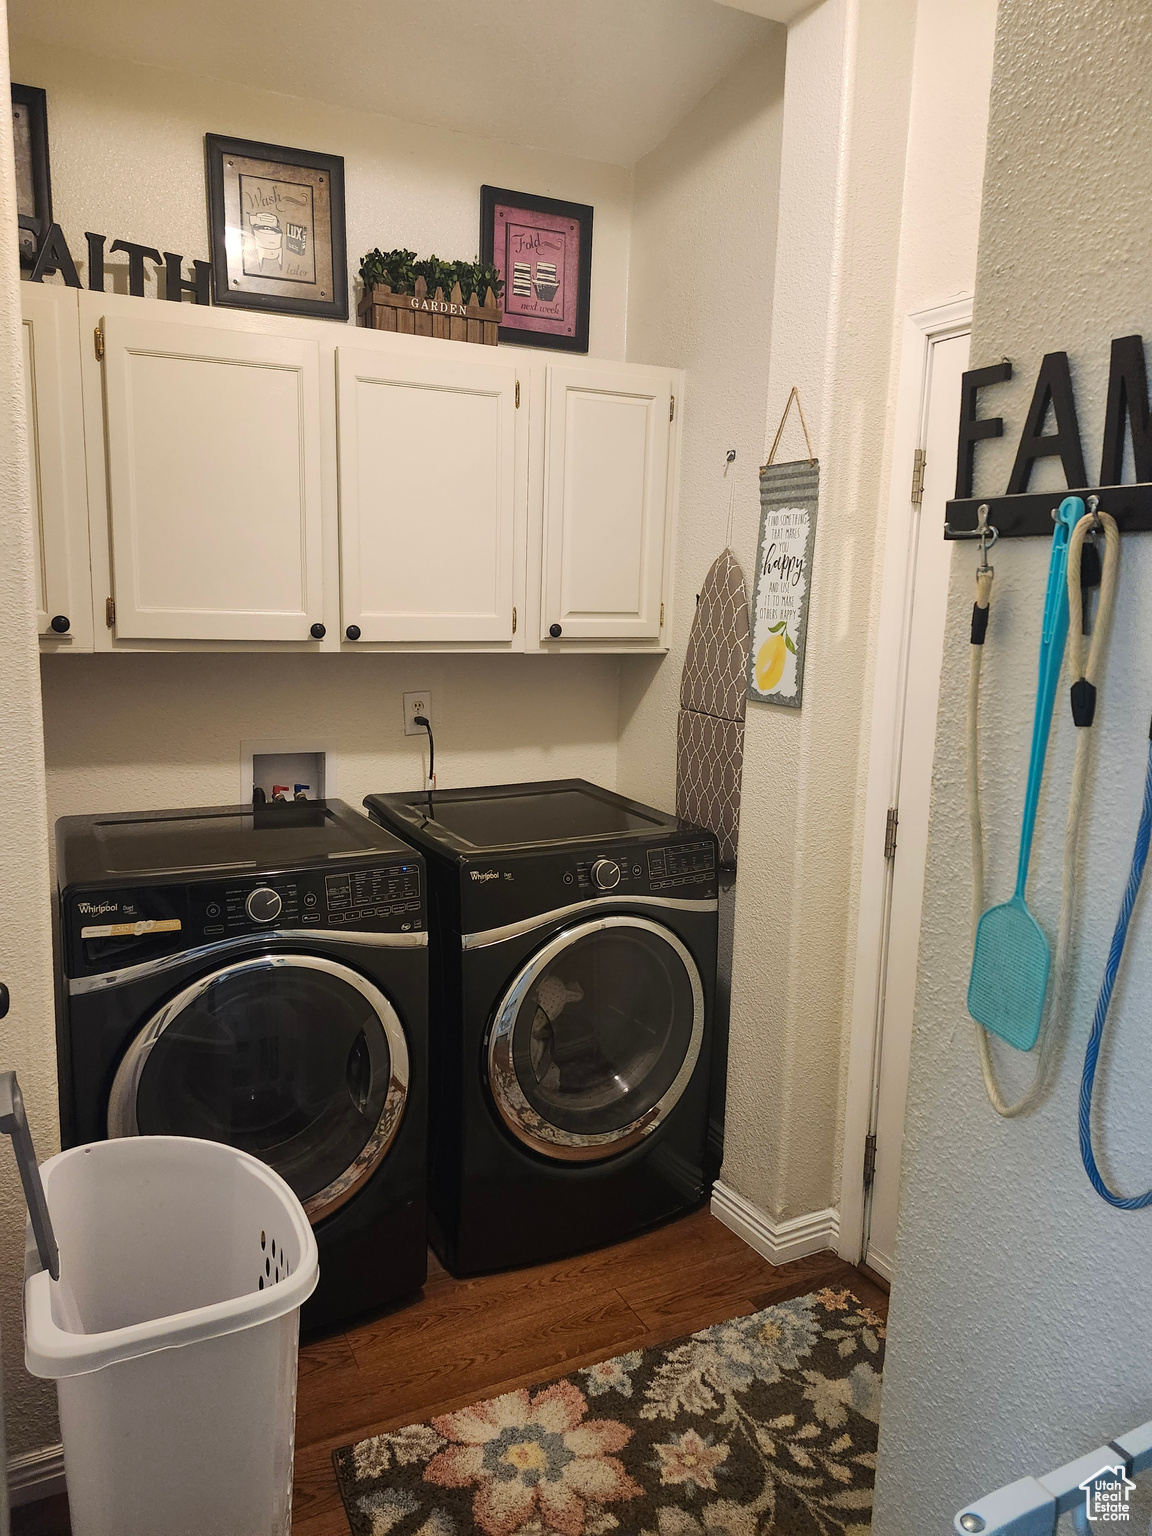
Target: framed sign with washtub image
x,y
276,220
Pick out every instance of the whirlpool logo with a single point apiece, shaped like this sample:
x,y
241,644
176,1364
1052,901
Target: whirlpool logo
x,y
97,908
484,874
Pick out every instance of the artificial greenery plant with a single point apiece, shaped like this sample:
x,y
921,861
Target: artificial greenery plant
x,y
399,270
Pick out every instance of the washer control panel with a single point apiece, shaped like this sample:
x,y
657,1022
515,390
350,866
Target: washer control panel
x,y
385,897
106,930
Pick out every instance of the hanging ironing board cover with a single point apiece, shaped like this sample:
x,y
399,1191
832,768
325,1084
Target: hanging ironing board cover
x,y
710,729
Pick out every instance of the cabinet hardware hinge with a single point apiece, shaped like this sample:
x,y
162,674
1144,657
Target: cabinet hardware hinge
x,y
869,1161
517,394
891,822
110,612
513,621
98,341
919,459
672,409
661,615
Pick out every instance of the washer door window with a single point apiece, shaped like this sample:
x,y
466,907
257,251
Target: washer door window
x,y
297,1060
597,1038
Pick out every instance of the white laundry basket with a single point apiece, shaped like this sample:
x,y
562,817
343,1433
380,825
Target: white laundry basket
x,y
172,1335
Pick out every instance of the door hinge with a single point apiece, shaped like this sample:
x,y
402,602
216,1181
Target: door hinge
x,y
661,615
110,612
672,409
98,342
919,459
869,1161
513,621
517,394
891,822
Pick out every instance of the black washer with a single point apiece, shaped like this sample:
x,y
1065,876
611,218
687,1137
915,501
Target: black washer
x,y
195,1002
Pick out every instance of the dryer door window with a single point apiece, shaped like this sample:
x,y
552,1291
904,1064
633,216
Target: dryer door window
x,y
596,1038
295,1059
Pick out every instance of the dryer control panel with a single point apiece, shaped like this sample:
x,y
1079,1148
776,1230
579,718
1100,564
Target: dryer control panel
x,y
105,930
514,886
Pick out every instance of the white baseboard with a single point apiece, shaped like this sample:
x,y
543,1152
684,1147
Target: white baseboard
x,y
776,1241
880,1262
35,1475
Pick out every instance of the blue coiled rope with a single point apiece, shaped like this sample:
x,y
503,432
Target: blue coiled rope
x,y
1115,955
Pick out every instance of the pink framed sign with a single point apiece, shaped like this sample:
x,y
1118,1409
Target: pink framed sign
x,y
542,249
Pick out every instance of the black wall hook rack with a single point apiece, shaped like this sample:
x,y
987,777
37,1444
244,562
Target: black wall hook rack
x,y
1029,516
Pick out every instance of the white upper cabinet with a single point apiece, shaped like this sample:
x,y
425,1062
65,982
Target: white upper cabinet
x,y
427,451
214,480
606,511
205,479
56,465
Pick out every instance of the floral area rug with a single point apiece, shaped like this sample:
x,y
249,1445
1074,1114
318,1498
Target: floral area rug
x,y
761,1426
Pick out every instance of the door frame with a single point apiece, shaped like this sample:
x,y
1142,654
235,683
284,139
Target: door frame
x,y
921,331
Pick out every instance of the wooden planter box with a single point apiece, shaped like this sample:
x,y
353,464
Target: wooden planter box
x,y
415,314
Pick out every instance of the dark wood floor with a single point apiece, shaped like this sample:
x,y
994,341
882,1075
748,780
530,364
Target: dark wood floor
x,y
469,1339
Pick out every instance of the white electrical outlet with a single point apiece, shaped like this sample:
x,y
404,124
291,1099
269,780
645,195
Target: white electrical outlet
x,y
417,704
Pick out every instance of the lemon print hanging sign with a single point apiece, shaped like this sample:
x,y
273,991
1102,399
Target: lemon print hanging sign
x,y
772,655
788,499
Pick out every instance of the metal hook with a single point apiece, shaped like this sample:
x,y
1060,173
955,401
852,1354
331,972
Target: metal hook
x,y
985,531
1094,508
729,458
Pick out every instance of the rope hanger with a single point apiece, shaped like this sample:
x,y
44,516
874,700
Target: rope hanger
x,y
795,395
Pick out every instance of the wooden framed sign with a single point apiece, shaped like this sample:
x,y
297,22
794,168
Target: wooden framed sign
x,y
788,501
542,249
33,180
276,218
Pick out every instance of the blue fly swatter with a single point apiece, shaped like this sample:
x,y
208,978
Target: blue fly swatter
x,y
1011,960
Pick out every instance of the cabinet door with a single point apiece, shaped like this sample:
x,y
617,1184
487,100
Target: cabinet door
x,y
52,396
427,495
214,480
605,501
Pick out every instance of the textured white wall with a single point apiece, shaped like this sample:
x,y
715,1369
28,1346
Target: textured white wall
x,y
27,1034
135,732
703,247
844,139
127,145
947,133
943,179
1017,1336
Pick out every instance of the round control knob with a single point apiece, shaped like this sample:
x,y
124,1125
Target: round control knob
x,y
353,632
317,631
555,631
61,624
263,904
605,874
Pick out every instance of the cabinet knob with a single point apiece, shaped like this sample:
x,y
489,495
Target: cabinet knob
x,y
353,632
61,624
317,631
555,631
